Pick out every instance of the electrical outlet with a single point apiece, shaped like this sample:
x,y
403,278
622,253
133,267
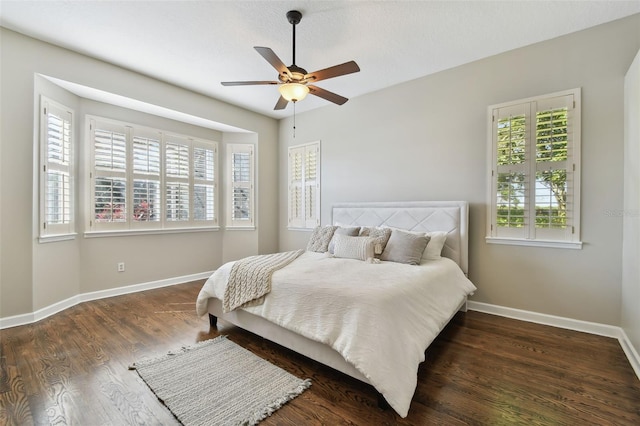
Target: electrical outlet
x,y
121,267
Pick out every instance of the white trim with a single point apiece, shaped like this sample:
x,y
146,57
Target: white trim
x,y
58,237
576,245
566,323
128,232
545,319
630,352
60,306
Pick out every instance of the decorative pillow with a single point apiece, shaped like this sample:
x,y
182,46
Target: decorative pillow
x,y
351,231
436,243
405,247
319,241
360,248
380,235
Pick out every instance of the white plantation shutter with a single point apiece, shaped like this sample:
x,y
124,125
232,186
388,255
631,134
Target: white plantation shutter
x,y
109,176
146,179
177,179
311,185
56,169
296,187
147,202
304,185
535,145
241,165
204,185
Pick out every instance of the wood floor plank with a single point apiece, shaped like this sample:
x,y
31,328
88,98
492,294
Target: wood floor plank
x,y
72,368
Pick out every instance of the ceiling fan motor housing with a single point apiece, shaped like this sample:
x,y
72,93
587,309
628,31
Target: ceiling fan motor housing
x,y
297,74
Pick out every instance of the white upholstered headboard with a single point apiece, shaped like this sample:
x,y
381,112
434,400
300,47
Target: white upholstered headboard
x,y
427,216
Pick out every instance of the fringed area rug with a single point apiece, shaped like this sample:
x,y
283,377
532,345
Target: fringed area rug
x,y
217,382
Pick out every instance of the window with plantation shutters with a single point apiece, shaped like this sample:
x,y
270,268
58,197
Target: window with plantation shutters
x,y
534,196
304,186
177,180
204,184
110,174
241,167
147,203
56,171
147,179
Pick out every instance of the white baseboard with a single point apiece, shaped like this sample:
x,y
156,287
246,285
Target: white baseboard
x,y
45,312
566,323
630,351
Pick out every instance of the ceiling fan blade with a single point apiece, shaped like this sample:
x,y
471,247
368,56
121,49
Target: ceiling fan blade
x,y
325,94
335,71
247,83
273,59
281,104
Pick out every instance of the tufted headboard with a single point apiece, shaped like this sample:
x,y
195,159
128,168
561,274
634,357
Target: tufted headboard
x,y
427,216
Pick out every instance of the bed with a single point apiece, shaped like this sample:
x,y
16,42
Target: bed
x,y
302,313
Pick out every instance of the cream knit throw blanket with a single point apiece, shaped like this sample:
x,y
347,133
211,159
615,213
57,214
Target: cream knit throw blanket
x,y
250,279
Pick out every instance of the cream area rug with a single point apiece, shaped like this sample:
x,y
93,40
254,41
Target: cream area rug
x,y
217,382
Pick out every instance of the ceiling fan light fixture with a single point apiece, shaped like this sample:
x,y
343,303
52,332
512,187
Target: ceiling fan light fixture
x,y
293,92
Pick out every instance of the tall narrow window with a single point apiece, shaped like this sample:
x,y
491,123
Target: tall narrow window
x,y
304,186
177,180
56,170
147,204
204,187
241,165
535,171
109,174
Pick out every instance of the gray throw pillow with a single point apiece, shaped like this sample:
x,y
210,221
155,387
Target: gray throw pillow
x,y
405,247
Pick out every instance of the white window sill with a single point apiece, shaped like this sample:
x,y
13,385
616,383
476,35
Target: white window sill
x,y
240,228
55,238
576,245
300,229
132,232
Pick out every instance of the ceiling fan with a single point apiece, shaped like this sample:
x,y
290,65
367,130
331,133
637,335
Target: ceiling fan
x,y
294,82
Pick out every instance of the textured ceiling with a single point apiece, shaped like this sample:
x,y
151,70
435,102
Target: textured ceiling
x,y
198,44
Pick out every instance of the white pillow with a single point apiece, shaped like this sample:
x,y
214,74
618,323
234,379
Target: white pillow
x,y
360,248
436,243
343,230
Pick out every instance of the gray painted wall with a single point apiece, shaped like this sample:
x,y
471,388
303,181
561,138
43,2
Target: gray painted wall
x,y
427,140
34,275
630,321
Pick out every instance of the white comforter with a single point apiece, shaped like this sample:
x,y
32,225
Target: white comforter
x,y
379,317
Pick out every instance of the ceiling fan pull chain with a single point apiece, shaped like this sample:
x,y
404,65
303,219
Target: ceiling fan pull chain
x,y
294,119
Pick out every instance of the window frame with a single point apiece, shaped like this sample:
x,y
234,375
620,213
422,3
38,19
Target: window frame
x,y
131,175
232,222
309,215
51,232
529,234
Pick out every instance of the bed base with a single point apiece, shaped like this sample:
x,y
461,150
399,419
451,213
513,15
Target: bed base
x,y
317,351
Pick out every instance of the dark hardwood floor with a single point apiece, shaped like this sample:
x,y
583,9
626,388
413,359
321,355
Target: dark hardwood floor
x,y
71,368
